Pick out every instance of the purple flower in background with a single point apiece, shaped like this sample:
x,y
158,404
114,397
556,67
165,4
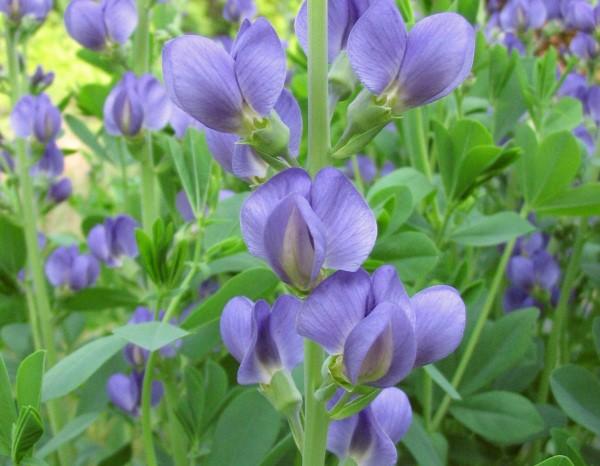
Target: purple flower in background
x,y
125,391
370,436
181,121
512,42
387,168
574,85
135,104
593,103
342,15
585,46
241,159
582,133
135,355
40,80
96,25
531,269
18,9
553,9
114,239
51,164
579,15
300,226
366,168
415,68
521,15
60,190
375,331
239,10
226,91
37,116
7,163
66,267
264,341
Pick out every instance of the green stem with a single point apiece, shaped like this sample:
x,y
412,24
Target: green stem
x,y
141,40
427,398
149,199
560,315
315,415
477,329
38,303
176,434
318,87
297,430
416,137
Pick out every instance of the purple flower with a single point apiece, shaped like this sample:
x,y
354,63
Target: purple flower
x,y
18,9
387,168
593,103
300,226
239,10
41,80
375,332
342,15
184,207
66,267
553,9
60,190
51,164
125,391
136,103
366,168
579,14
512,42
585,46
37,116
370,436
96,25
582,133
114,239
135,355
410,69
181,121
226,91
521,15
241,159
264,341
574,85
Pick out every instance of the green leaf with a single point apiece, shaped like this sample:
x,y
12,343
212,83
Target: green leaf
x,y
7,408
565,115
582,201
27,430
503,418
29,379
150,335
354,406
554,166
596,334
245,432
471,166
215,388
468,9
442,382
491,230
503,345
421,445
98,299
83,133
412,253
414,180
12,259
72,430
77,367
392,207
568,445
225,220
577,392
558,460
253,283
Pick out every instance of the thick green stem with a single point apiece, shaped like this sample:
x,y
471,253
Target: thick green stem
x,y
315,415
38,303
141,40
560,315
176,434
477,329
318,88
416,138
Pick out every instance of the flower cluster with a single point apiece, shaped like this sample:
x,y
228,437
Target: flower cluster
x,y
533,274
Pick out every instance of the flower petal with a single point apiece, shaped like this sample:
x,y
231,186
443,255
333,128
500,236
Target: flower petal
x,y
350,225
236,326
439,56
259,65
156,103
289,111
84,272
124,236
440,317
392,411
122,392
547,271
120,18
340,435
21,117
221,146
84,23
334,308
246,164
200,78
371,446
368,350
387,287
283,330
98,243
295,241
259,205
520,272
376,45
